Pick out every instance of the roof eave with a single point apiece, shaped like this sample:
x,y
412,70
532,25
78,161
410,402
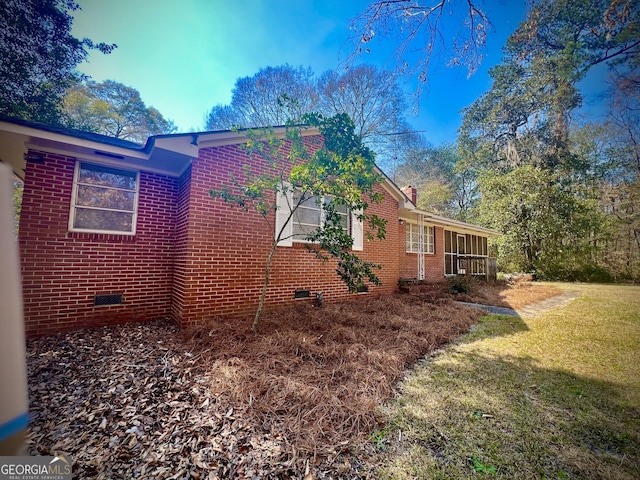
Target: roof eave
x,y
455,224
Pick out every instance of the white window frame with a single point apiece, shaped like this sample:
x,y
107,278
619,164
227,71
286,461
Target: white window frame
x,y
322,201
74,196
284,222
429,238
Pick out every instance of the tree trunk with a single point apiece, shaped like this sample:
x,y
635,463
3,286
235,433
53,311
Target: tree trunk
x,y
265,285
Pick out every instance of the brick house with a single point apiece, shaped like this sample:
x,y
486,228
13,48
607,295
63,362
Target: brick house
x,y
157,245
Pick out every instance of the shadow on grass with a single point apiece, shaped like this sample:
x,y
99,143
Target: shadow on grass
x,y
467,413
491,326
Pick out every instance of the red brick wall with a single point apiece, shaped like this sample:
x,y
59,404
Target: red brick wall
x,y
181,245
227,249
433,263
62,270
192,258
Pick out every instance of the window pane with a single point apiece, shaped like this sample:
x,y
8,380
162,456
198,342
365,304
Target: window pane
x,y
300,232
103,220
311,202
307,216
341,209
411,238
344,220
447,241
429,240
462,244
108,177
105,198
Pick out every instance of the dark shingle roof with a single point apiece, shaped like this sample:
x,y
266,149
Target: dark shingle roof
x,y
72,132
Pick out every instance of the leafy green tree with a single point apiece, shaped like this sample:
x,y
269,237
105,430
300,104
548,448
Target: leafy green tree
x,y
445,188
620,189
559,43
582,33
341,169
548,226
523,139
38,57
113,109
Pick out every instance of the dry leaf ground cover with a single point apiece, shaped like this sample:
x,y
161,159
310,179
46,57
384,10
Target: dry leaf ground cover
x,y
297,400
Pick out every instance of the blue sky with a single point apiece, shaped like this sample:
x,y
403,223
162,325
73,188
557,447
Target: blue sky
x,y
185,56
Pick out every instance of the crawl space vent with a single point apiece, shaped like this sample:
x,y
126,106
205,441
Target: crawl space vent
x,y
301,294
100,300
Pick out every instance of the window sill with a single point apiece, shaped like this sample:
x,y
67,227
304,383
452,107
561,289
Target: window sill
x,y
102,237
303,244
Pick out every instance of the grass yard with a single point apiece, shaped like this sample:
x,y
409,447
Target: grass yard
x,y
556,397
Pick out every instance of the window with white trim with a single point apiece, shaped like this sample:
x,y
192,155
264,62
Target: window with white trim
x,y
412,237
309,216
104,199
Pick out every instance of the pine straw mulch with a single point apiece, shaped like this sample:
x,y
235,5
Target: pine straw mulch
x,y
513,295
298,400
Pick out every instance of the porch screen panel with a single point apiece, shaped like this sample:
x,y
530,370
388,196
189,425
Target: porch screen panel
x,y
450,267
460,245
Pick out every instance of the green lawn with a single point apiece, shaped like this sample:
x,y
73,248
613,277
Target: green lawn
x,y
557,396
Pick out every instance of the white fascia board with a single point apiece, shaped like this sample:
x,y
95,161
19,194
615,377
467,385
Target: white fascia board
x,y
184,144
458,225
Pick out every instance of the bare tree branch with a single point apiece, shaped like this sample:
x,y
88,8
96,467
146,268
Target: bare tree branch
x,y
418,27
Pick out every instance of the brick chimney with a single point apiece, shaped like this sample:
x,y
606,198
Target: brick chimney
x,y
411,192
